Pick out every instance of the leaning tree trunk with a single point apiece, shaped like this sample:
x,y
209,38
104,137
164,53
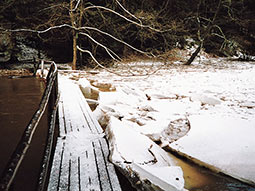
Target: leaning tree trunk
x,y
205,36
194,55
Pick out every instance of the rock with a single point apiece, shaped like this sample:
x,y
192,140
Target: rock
x,y
17,48
6,46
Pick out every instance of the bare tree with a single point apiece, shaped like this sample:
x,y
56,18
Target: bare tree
x,y
207,31
76,24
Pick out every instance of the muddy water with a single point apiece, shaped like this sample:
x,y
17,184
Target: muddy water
x,y
19,99
200,179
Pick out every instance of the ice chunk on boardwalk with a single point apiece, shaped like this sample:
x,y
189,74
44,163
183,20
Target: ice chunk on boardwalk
x,y
140,158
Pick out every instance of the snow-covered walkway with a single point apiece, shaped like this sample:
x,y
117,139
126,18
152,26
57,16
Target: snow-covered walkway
x,y
81,155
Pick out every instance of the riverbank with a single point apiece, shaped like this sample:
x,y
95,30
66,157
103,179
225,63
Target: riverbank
x,y
15,72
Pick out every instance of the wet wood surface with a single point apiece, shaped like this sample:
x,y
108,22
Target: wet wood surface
x,y
81,155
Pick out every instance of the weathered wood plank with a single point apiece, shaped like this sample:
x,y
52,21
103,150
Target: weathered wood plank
x,y
64,181
74,172
85,110
55,169
92,122
74,117
65,109
101,167
110,168
88,170
62,126
77,118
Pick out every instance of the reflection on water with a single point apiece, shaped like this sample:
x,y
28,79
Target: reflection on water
x,y
19,99
200,179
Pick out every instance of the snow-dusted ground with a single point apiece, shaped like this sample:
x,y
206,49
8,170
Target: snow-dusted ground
x,y
204,111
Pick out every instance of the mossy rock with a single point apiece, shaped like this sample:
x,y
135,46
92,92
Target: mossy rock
x,y
6,46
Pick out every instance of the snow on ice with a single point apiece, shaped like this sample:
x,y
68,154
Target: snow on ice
x,y
204,112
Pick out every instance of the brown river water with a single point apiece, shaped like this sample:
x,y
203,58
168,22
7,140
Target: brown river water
x,y
19,99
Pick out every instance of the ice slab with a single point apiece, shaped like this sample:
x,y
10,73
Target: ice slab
x,y
224,144
138,156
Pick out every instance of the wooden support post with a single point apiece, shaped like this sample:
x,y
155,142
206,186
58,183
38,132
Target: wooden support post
x,y
42,68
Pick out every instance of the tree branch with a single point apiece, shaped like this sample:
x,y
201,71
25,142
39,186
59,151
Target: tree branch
x,y
37,31
206,34
76,6
121,41
125,18
109,51
113,72
132,15
95,60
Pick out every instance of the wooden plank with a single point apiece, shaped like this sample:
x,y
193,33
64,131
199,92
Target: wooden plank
x,y
101,167
64,181
110,168
88,170
55,169
74,115
82,105
62,126
74,173
92,122
67,118
65,89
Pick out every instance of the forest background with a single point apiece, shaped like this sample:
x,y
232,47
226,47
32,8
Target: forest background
x,y
153,27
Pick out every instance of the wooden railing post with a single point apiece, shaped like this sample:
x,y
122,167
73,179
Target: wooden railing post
x,y
52,79
42,68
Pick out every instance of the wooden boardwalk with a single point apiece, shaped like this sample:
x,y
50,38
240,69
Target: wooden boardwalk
x,y
81,157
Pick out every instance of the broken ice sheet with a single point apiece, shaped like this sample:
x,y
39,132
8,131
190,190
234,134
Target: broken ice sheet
x,y
139,156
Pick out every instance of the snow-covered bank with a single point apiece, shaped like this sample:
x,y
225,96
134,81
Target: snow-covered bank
x,y
162,107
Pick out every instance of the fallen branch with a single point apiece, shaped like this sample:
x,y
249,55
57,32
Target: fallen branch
x,y
95,60
113,72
